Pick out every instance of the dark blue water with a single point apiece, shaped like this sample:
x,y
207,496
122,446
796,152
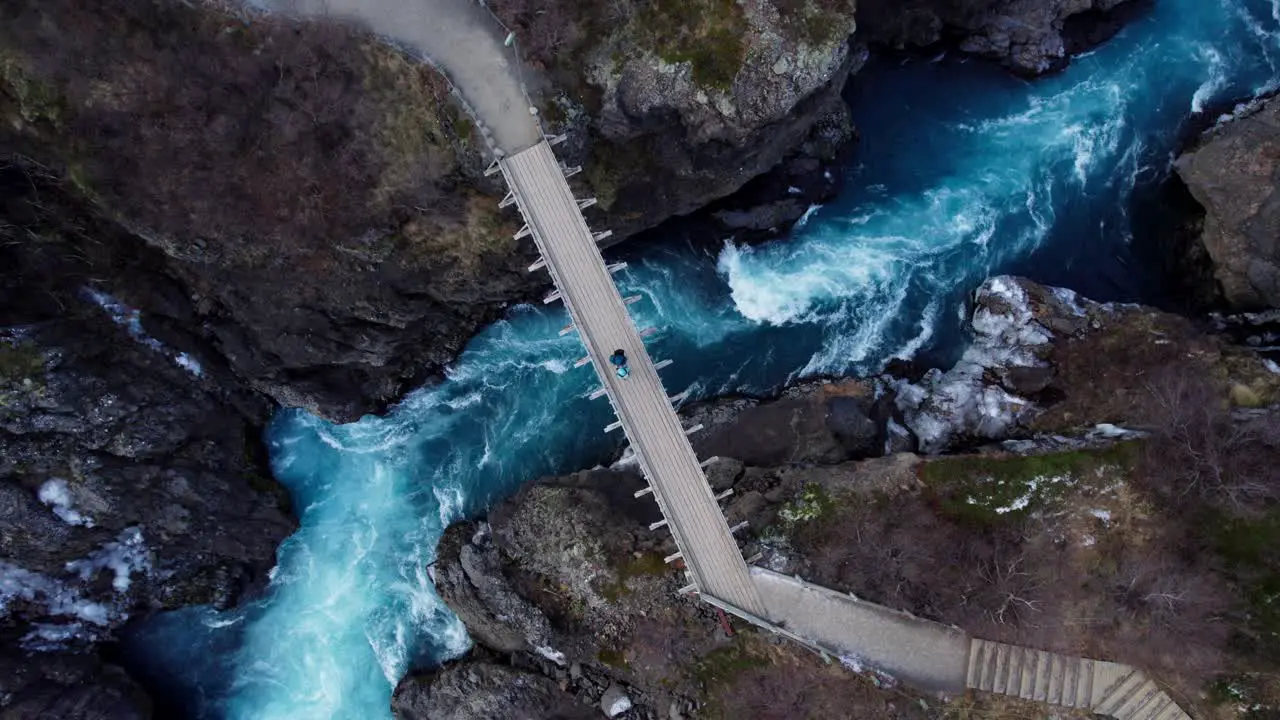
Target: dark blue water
x,y
963,172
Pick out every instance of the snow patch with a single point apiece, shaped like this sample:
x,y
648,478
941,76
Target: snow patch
x,y
1113,432
1069,298
1103,515
123,557
124,316
554,656
190,364
959,402
1025,499
50,637
894,430
131,320
18,583
55,494
852,662
1271,365
620,705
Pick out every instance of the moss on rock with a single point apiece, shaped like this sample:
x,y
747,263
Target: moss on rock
x,y
986,489
21,370
707,34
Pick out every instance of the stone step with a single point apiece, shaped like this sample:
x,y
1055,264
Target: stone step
x,y
977,654
1040,688
1157,708
1070,680
1107,688
1030,667
1001,677
1120,692
1057,673
1140,702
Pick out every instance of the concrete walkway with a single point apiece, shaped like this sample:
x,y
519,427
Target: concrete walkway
x,y
1114,689
924,654
460,38
942,658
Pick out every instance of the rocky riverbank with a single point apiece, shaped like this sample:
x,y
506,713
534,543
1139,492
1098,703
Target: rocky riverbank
x,y
1060,431
1030,38
134,476
1234,172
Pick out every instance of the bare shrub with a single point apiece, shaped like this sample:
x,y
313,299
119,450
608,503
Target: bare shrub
x,y
1201,451
1012,590
992,581
272,134
1168,609
551,30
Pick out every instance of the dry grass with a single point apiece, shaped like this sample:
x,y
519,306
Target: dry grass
x,y
1091,565
463,247
270,142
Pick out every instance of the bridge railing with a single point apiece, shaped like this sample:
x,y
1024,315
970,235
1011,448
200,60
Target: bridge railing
x,y
511,42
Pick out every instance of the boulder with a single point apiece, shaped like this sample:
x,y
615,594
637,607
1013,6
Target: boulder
x,y
477,690
1031,37
68,687
615,702
1234,174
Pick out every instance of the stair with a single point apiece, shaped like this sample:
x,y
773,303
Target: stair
x,y
1107,688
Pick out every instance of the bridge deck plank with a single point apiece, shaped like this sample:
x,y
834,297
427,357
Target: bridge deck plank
x,y
654,429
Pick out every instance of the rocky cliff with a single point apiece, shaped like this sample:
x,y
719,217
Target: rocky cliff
x,y
1234,173
313,201
315,198
1059,524
309,196
1031,37
673,104
133,475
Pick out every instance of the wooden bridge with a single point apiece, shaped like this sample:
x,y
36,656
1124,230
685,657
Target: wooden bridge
x,y
553,217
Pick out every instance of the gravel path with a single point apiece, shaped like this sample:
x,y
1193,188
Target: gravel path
x,y
459,37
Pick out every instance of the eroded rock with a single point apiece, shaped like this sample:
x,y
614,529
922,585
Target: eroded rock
x,y
469,690
68,687
1031,37
1234,173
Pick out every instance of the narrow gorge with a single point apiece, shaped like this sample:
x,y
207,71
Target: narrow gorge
x,y
268,342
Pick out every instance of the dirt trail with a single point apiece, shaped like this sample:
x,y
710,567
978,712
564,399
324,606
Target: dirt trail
x,y
459,37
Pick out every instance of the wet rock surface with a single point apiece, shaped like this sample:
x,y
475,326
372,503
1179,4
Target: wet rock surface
x,y
328,234
1030,37
68,687
132,474
465,690
128,485
1234,173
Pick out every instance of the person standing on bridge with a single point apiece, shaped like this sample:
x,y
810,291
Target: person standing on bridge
x,y
619,360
